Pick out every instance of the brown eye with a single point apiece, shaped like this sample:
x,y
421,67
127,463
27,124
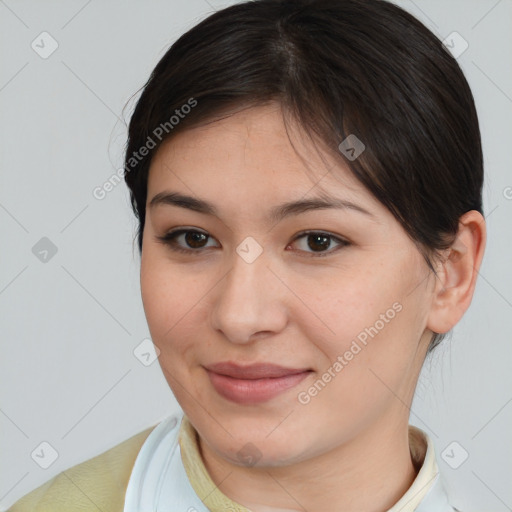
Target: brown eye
x,y
188,241
319,242
195,239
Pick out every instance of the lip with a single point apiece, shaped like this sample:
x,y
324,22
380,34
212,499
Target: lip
x,y
253,371
255,383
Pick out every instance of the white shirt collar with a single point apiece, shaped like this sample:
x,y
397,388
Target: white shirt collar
x,y
159,481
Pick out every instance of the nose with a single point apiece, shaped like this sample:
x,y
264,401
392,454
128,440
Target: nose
x,y
249,302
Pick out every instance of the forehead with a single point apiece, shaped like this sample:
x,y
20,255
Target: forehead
x,y
252,154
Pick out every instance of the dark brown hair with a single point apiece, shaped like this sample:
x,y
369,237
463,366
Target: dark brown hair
x,y
338,67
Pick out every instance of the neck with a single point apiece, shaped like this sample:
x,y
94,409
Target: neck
x,y
371,473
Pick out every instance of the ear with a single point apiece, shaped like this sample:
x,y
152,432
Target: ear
x,y
457,274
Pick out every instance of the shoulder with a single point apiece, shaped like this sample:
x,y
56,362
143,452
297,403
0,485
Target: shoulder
x,y
97,483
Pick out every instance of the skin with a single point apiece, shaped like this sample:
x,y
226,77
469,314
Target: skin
x,y
297,309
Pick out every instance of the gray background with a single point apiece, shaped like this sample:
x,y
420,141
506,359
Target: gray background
x,y
70,324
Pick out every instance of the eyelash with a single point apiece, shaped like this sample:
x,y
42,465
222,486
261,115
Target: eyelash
x,y
169,239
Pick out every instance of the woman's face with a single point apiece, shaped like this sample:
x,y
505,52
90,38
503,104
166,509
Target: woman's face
x,y
349,300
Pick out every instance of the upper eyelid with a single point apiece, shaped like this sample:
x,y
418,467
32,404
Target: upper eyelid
x,y
180,231
319,231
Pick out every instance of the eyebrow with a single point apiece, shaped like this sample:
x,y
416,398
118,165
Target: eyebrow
x,y
277,213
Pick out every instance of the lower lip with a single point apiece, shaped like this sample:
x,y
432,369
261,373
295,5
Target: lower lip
x,y
246,391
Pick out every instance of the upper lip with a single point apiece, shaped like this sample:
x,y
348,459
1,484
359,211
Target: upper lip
x,y
253,371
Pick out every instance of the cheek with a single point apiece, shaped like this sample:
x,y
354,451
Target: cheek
x,y
363,366
164,297
335,308
174,307
156,295
370,320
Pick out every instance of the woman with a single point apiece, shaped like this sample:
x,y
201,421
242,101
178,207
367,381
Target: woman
x,y
307,177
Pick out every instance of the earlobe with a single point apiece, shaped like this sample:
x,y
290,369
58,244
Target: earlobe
x,y
458,271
